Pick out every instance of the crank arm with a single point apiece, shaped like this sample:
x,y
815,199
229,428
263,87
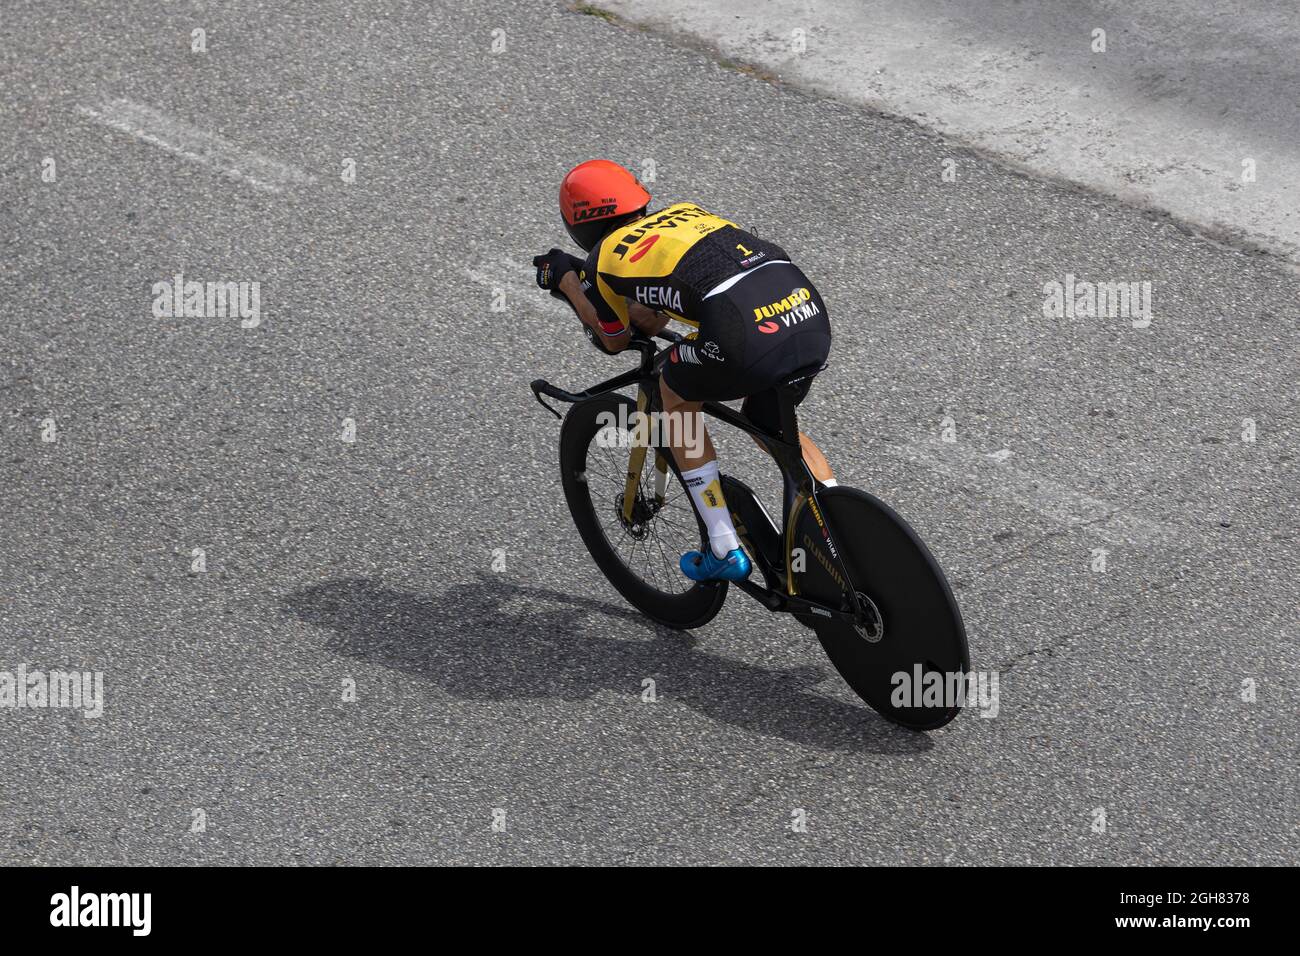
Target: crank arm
x,y
792,604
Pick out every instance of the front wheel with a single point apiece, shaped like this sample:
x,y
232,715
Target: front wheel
x,y
908,659
638,554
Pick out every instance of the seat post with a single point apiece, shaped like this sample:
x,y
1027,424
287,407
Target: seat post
x,y
789,424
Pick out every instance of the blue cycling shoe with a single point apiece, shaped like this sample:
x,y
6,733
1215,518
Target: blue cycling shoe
x,y
703,566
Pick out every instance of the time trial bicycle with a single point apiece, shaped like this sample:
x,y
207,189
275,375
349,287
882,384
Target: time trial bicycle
x,y
842,562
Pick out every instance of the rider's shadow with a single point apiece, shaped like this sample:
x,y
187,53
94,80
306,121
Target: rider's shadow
x,y
498,640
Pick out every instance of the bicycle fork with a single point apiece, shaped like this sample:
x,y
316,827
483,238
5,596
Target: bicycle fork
x,y
636,459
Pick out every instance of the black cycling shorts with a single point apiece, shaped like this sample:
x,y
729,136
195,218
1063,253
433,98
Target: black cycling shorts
x,y
767,328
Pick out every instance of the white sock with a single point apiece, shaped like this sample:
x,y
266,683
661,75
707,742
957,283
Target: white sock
x,y
706,492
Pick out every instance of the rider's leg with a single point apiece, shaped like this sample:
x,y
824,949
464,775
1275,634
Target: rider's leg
x,y
698,461
762,408
815,460
687,436
812,457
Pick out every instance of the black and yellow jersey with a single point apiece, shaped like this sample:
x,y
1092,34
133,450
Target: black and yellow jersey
x,y
669,261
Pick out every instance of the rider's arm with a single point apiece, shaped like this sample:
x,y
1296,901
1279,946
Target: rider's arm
x,y
646,320
614,340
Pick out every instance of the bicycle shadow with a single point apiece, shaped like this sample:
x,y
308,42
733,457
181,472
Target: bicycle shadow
x,y
495,639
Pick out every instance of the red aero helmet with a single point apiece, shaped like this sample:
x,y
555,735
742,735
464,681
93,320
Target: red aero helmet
x,y
596,196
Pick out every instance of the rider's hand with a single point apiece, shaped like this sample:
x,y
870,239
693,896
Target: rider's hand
x,y
554,266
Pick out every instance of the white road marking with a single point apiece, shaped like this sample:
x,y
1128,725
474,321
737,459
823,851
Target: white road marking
x,y
988,474
503,275
191,143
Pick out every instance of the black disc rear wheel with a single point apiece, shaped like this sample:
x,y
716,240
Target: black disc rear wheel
x,y
908,656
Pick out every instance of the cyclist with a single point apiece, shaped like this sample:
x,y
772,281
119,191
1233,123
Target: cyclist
x,y
760,322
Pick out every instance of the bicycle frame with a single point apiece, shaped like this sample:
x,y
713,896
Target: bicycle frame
x,y
800,488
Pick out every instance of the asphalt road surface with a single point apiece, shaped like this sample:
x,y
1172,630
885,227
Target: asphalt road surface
x,y
384,646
